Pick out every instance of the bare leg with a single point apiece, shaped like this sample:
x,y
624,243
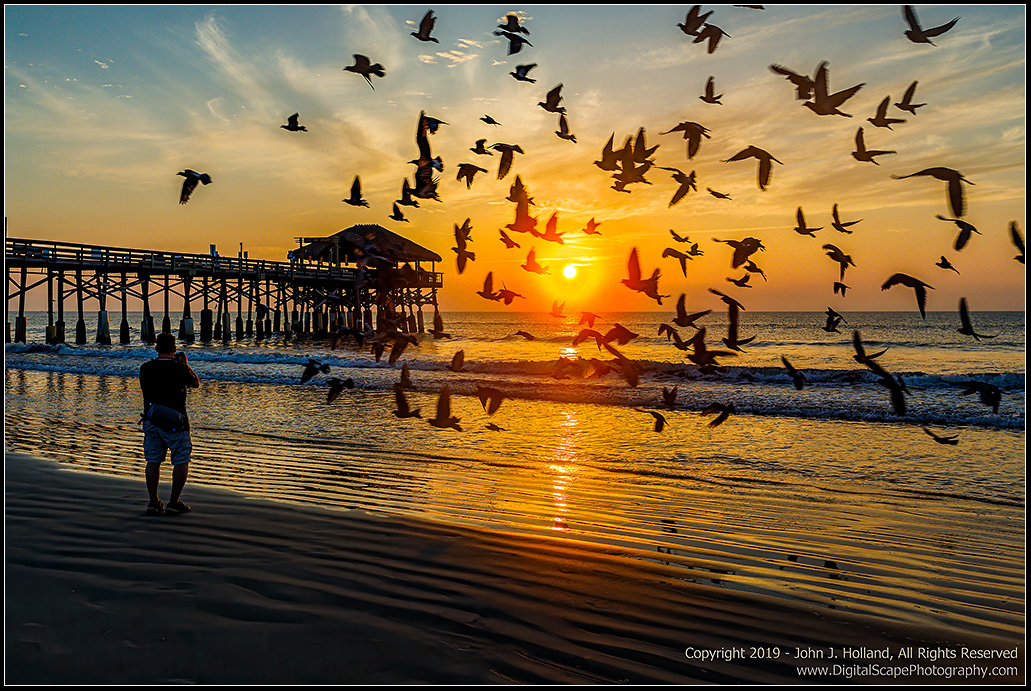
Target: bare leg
x,y
153,474
179,474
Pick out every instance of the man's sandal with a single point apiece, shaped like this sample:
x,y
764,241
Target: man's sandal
x,y
178,507
155,508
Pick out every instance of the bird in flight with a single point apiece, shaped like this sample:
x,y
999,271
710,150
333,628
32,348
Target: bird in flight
x,y
490,121
844,260
508,152
487,292
861,355
712,34
694,20
462,240
313,368
592,227
881,119
683,319
838,225
797,377
824,102
918,34
966,328
660,420
356,193
193,178
480,149
919,287
765,163
396,215
955,181
426,163
732,341
532,265
1018,241
551,101
649,286
965,230
952,440
406,195
512,25
509,242
679,256
457,361
402,409
693,134
710,93
521,71
468,171
363,66
336,387
907,100
866,155
944,263
802,228
989,394
515,41
490,398
425,27
803,84
292,126
723,410
444,419
563,129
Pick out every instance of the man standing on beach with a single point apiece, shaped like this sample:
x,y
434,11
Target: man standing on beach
x,y
166,427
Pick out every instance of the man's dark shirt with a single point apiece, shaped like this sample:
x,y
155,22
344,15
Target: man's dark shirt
x,y
164,381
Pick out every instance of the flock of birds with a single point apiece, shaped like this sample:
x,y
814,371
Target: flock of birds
x,y
628,167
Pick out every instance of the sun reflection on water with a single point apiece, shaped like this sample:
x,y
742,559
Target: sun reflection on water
x,y
564,468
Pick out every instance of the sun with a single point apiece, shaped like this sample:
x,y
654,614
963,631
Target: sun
x,y
569,271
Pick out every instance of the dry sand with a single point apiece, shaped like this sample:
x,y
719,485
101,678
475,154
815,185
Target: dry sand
x,y
249,591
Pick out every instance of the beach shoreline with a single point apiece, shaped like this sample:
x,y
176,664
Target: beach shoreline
x,y
244,590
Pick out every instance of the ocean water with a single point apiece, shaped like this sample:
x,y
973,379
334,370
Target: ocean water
x,y
824,496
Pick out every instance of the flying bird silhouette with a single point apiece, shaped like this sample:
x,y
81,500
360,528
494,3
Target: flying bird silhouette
x,y
952,440
425,27
356,193
509,242
710,93
457,363
406,195
592,227
918,34
551,101
944,263
1018,241
837,223
797,377
906,103
683,319
313,368
532,265
881,119
426,163
802,228
490,121
989,394
521,71
461,240
679,256
919,287
468,171
490,398
512,25
955,182
649,286
965,231
480,149
556,309
694,21
660,420
487,292
193,178
444,419
724,411
292,126
803,84
840,287
363,66
765,163
712,34
966,328
731,340
508,152
563,129
861,356
401,407
824,102
609,157
867,155
515,41
693,134
843,260
396,215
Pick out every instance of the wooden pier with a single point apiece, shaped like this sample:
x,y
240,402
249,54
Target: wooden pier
x,y
328,283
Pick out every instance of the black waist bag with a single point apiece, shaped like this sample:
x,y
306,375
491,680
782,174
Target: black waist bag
x,y
163,417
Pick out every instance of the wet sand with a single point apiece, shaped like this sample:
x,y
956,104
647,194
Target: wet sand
x,y
250,591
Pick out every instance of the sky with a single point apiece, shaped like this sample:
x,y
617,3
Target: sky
x,y
104,105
